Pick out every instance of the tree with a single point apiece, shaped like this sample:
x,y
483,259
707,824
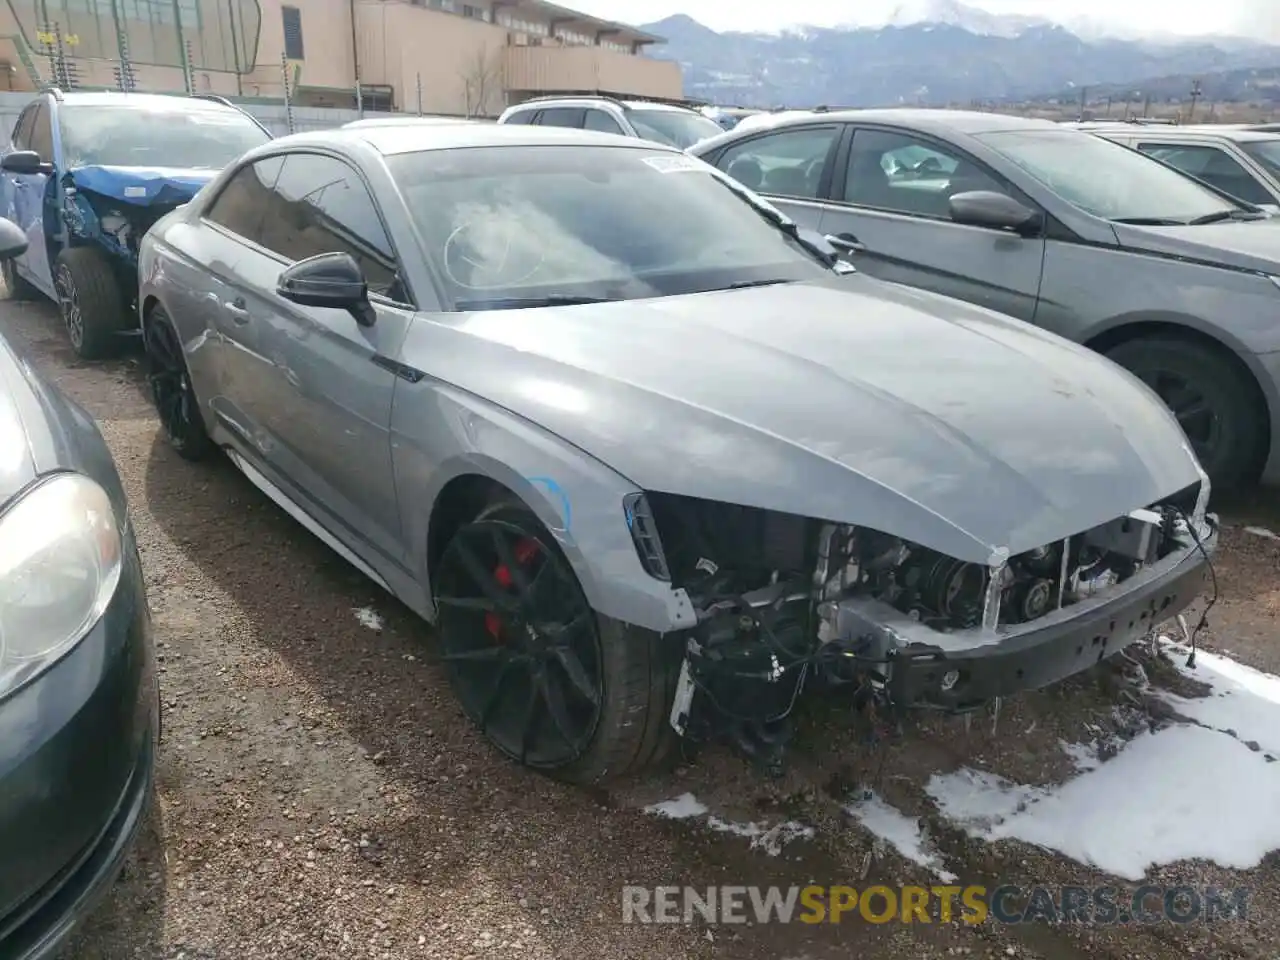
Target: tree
x,y
482,82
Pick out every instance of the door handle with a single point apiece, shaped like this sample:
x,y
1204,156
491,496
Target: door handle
x,y
237,309
846,243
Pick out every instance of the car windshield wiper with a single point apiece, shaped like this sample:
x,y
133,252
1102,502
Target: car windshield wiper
x,y
1222,215
1150,221
520,303
743,284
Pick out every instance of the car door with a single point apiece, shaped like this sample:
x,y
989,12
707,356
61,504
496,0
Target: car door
x,y
29,206
228,371
324,405
791,167
890,201
1213,164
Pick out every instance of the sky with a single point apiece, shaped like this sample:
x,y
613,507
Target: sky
x,y
1255,18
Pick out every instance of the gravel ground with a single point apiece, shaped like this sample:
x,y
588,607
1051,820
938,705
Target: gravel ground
x,y
320,795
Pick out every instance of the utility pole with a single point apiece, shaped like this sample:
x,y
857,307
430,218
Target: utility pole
x,y
1084,100
1195,95
419,94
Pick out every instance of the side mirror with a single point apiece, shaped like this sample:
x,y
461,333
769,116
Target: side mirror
x,y
999,211
331,280
25,162
13,242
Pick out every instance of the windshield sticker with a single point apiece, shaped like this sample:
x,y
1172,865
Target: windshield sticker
x,y
135,191
675,164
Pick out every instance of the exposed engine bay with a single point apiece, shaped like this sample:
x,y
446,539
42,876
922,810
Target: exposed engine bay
x,y
784,601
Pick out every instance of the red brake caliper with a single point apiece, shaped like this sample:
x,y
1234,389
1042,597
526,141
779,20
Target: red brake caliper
x,y
525,551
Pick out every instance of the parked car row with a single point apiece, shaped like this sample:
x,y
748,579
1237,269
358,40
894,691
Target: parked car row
x,y
647,452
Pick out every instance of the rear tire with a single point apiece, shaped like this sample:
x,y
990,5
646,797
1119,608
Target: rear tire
x,y
90,301
631,672
1213,399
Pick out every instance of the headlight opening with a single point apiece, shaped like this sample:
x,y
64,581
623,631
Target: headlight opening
x,y
60,563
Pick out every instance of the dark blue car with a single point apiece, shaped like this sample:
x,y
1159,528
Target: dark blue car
x,y
85,175
79,700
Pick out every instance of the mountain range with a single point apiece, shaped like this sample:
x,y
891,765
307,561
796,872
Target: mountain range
x,y
939,52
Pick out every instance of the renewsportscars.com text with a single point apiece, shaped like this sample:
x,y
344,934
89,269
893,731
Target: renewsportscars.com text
x,y
973,904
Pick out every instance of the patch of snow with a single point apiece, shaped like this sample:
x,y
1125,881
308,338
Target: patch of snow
x,y
1083,756
681,808
1189,791
368,617
1242,700
1262,532
770,839
901,832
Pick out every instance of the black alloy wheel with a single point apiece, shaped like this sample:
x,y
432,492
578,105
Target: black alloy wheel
x,y
520,643
171,391
1213,400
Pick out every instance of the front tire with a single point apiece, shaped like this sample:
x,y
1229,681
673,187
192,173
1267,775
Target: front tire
x,y
553,684
90,301
171,390
1212,398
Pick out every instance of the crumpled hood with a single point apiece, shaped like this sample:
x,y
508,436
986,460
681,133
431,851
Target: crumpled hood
x,y
142,186
850,400
1244,245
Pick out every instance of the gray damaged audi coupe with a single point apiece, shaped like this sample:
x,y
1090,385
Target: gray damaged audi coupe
x,y
650,463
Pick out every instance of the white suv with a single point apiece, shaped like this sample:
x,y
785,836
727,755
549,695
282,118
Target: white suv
x,y
660,122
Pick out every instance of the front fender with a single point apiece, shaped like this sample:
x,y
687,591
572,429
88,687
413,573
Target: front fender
x,y
440,433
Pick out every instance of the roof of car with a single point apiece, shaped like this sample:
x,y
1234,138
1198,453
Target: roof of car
x,y
539,102
929,120
397,121
393,139
143,101
1239,135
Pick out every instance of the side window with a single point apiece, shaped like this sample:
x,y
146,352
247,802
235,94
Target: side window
x,y
788,163
522,117
243,201
320,205
905,174
600,121
22,129
562,117
42,134
1212,165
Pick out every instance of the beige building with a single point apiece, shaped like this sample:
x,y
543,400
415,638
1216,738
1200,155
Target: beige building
x,y
439,56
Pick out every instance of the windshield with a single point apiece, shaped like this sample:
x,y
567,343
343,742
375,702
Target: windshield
x,y
678,128
556,222
1266,152
1107,179
130,136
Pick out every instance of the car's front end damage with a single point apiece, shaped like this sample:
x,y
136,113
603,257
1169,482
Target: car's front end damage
x,y
113,207
785,601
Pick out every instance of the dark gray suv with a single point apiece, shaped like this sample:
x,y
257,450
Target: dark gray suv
x,y
1113,249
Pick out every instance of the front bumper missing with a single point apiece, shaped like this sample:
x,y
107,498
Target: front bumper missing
x,y
962,670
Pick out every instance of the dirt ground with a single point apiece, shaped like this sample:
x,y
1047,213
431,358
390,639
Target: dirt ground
x,y
321,796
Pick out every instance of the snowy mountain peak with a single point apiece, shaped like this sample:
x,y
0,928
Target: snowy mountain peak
x,y
877,14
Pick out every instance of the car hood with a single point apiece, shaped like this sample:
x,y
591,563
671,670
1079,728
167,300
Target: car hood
x,y
17,468
142,186
1245,245
851,400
